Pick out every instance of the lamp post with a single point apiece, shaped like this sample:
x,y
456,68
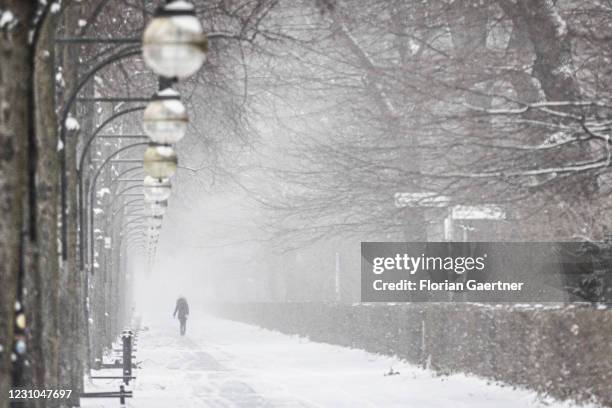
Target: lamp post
x,y
156,207
109,207
174,43
92,189
165,118
156,190
160,161
117,181
126,53
118,195
80,173
136,202
174,46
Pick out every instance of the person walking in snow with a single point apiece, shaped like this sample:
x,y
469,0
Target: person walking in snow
x,y
182,309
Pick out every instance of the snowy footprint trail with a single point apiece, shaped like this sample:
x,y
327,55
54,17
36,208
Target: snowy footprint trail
x,y
221,363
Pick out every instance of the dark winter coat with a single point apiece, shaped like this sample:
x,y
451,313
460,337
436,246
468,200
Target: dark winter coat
x,y
182,308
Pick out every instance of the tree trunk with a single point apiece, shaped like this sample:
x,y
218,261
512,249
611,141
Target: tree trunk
x,y
541,22
553,65
15,71
46,269
73,324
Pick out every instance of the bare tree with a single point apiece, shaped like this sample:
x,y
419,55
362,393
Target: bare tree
x,y
466,99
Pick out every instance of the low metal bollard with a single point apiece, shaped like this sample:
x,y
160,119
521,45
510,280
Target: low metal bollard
x,y
127,356
122,394
127,340
126,365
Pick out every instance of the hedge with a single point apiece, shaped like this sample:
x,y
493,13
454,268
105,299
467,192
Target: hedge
x,y
562,352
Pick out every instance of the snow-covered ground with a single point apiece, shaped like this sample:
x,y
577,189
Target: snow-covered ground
x,y
220,363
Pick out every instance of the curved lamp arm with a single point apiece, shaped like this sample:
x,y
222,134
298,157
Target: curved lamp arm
x,y
92,189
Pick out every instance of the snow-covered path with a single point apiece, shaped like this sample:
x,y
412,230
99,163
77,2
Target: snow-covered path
x,y
220,363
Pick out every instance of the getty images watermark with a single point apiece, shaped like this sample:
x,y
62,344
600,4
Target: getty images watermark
x,y
486,272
